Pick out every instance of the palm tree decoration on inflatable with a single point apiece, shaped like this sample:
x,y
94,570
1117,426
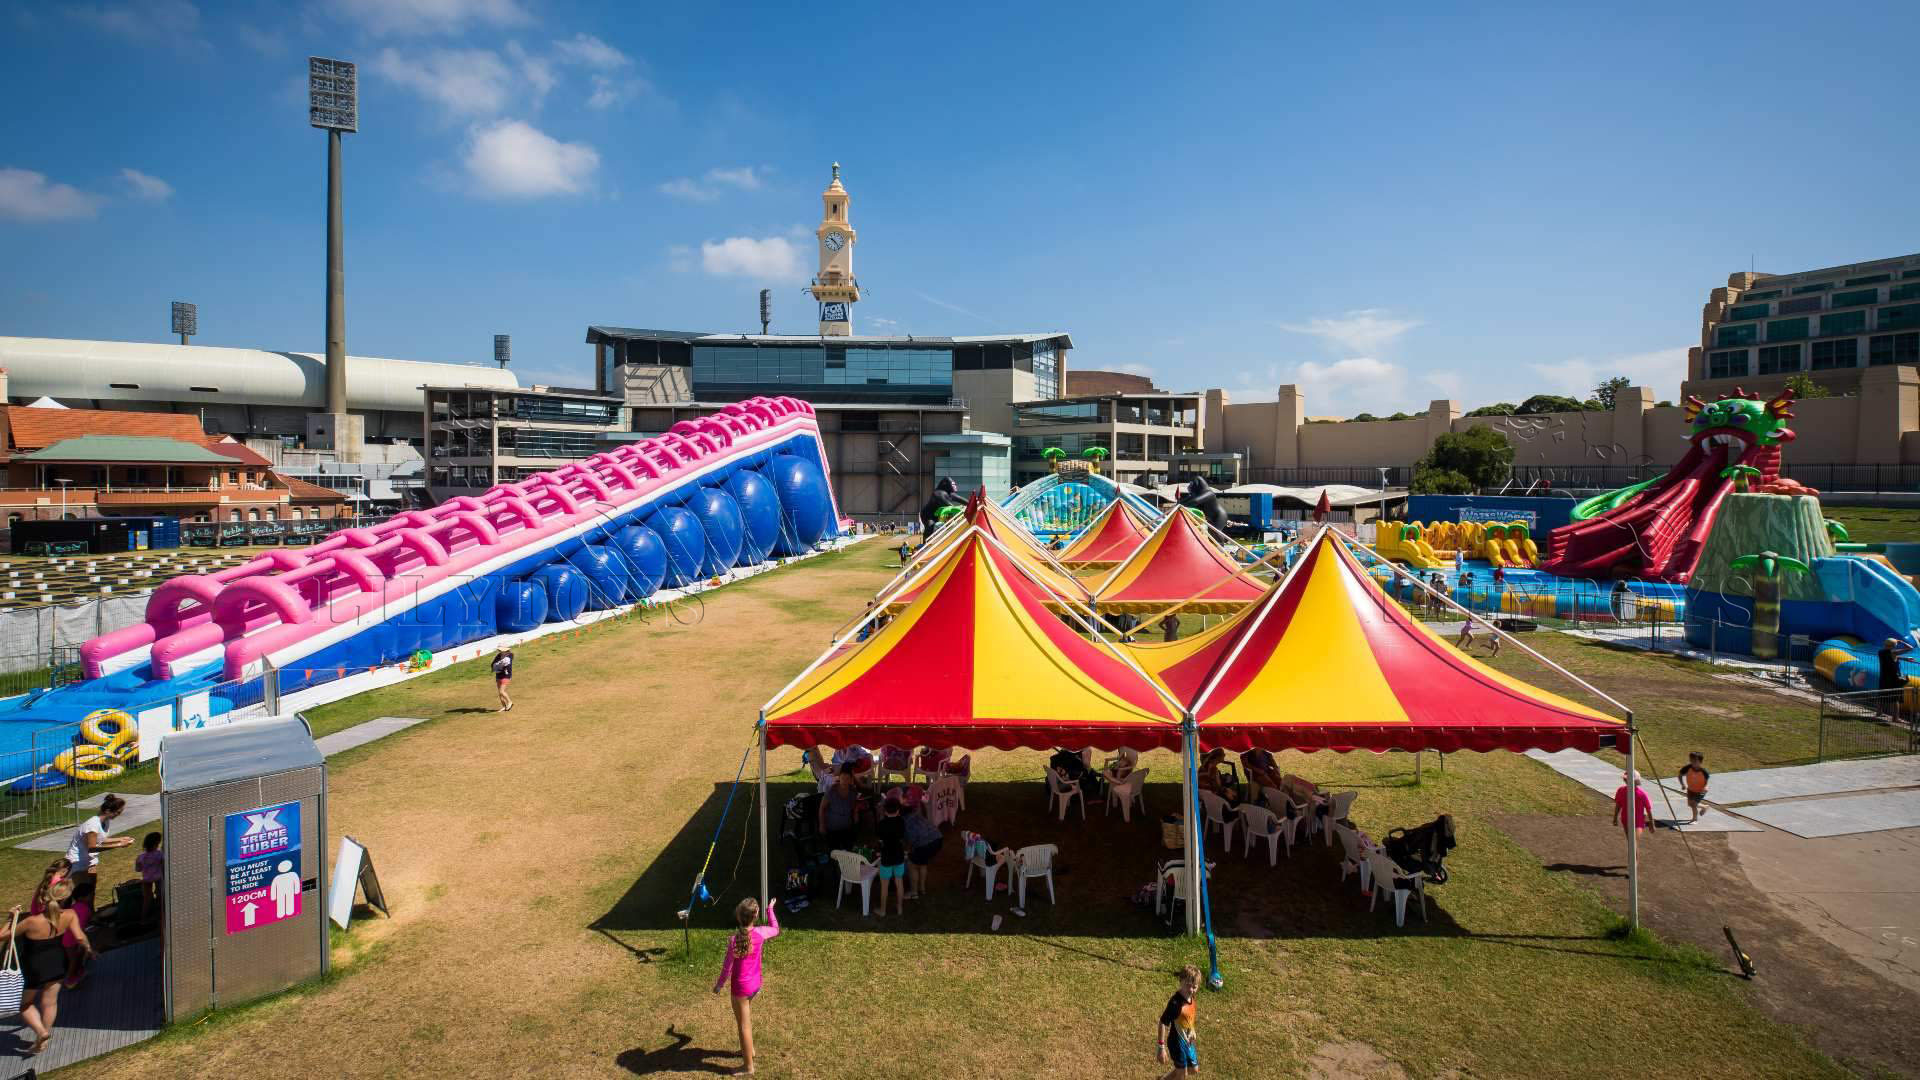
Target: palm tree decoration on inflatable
x,y
1054,456
1094,455
1766,596
1741,475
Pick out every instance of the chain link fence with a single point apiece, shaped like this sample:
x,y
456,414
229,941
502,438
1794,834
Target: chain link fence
x,y
1869,723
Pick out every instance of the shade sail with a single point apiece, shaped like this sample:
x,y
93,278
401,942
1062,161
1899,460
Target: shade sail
x,y
1018,543
976,659
1177,563
1327,661
1108,539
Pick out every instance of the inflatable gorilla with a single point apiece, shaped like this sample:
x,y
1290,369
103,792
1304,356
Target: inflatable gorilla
x,y
1199,496
945,493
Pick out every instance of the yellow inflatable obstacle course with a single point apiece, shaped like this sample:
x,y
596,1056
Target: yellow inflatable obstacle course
x,y
1404,542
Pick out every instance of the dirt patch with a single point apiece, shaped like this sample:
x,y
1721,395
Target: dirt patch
x,y
1351,1061
1848,1012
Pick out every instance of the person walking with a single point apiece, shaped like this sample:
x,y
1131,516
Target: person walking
x,y
1179,1042
43,959
1693,780
742,965
1892,679
503,675
91,838
1642,811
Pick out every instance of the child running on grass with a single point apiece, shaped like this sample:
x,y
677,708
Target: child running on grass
x,y
1693,780
743,964
1178,1041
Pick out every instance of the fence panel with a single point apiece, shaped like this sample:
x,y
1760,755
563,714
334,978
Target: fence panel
x,y
1868,723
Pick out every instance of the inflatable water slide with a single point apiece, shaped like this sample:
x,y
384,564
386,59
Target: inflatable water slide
x,y
732,489
1654,530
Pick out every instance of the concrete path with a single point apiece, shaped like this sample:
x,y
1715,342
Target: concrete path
x,y
1841,816
1860,893
1798,781
144,809
1603,777
117,1006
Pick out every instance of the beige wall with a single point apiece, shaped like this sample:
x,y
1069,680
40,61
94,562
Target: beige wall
x,y
990,396
1879,426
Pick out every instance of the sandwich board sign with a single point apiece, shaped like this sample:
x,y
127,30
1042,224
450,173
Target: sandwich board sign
x,y
263,866
352,868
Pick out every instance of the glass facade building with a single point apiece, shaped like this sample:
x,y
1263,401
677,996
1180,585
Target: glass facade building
x,y
1837,320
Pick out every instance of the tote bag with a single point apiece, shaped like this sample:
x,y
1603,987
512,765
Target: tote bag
x,y
12,984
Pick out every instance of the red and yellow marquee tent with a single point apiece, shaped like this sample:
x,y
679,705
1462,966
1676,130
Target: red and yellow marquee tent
x,y
1327,661
976,659
982,515
1108,539
1178,563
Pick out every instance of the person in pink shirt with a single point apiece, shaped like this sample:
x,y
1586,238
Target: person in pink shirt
x,y
743,965
1642,805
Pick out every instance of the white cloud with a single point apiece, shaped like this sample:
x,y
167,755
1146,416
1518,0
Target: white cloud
x,y
1369,330
590,51
429,16
707,188
1354,385
1576,377
537,70
26,195
1451,384
174,23
511,159
744,256
464,82
149,188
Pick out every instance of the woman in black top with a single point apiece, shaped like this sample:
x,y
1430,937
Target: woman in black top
x,y
43,960
502,675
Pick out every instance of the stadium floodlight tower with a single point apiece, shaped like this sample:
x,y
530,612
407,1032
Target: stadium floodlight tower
x,y
503,350
186,319
333,100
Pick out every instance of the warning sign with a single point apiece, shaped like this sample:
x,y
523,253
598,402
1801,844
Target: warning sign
x,y
263,866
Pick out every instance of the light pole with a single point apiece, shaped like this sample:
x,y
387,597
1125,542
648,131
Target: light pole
x,y
333,105
63,497
1382,516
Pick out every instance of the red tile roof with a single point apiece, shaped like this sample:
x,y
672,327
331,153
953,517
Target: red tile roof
x,y
305,492
241,453
36,429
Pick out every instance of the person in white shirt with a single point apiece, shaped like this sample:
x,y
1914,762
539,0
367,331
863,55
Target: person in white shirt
x,y
91,838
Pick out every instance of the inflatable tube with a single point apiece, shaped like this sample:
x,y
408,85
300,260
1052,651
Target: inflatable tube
x,y
522,606
88,762
644,558
759,515
1851,664
566,591
685,543
600,568
720,519
104,727
803,500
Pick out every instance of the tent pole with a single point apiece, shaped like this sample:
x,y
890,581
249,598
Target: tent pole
x,y
1632,817
1195,847
1186,823
765,894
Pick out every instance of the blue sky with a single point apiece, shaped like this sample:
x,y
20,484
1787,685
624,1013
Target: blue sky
x,y
1386,209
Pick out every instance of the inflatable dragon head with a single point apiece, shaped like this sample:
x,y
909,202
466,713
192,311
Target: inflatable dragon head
x,y
1751,431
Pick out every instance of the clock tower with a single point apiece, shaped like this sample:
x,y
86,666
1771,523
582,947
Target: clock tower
x,y
835,286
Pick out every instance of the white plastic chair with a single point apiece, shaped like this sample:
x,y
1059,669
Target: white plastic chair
x,y
1216,808
1032,862
1387,875
931,762
855,870
989,869
1126,755
1354,856
894,761
1062,792
1127,792
1337,808
1261,824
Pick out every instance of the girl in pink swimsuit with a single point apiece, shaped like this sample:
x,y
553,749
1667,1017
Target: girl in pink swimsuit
x,y
743,964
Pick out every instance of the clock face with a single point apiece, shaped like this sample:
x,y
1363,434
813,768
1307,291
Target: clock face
x,y
836,241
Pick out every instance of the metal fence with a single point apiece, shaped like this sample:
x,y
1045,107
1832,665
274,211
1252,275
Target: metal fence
x,y
1868,723
1366,476
1823,477
43,787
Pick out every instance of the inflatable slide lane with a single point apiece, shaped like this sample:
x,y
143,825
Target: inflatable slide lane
x,y
1654,530
731,489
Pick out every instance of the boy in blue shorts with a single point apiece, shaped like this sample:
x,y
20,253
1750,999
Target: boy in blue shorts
x,y
1178,1041
891,829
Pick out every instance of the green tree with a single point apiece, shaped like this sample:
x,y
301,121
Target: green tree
x,y
1804,387
1498,408
1548,403
1608,391
1364,417
1461,462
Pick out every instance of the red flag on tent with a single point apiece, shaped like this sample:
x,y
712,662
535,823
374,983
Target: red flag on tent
x,y
1322,508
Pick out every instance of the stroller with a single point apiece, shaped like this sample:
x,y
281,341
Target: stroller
x,y
1423,849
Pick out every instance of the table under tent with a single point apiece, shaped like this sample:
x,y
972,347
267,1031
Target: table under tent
x,y
979,656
